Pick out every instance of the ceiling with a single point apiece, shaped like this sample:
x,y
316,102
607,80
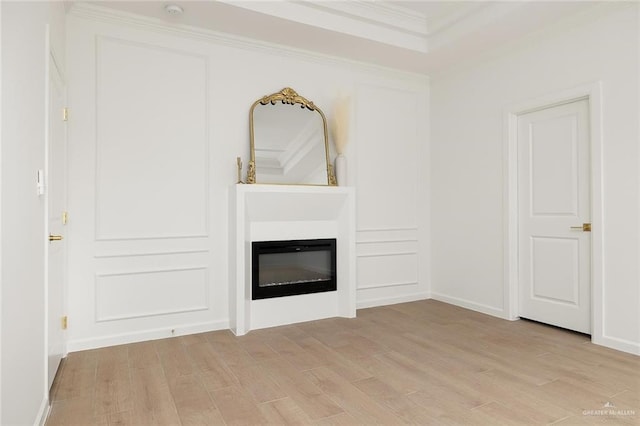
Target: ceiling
x,y
418,36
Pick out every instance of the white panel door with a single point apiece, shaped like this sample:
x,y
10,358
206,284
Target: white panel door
x,y
56,195
554,203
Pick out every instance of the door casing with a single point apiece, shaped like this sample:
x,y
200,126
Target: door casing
x,y
593,93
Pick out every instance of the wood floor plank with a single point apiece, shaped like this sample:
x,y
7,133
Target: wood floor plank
x,y
525,401
349,370
75,411
630,398
360,347
237,407
300,358
502,414
306,395
401,379
400,404
214,372
258,383
174,359
257,346
76,382
113,385
152,399
193,402
342,419
350,398
283,412
144,355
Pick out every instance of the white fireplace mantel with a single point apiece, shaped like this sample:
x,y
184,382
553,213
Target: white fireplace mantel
x,y
285,212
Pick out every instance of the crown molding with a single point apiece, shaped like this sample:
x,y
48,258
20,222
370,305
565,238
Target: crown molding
x,y
377,21
114,16
382,13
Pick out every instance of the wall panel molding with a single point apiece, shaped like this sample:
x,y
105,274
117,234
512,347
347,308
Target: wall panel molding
x,y
390,240
390,253
129,294
386,162
411,228
137,152
149,253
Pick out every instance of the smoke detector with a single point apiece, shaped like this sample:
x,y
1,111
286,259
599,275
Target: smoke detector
x,y
173,9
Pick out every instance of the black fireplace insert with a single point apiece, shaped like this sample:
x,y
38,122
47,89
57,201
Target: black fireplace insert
x,y
288,268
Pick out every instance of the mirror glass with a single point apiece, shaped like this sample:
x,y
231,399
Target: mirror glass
x,y
289,143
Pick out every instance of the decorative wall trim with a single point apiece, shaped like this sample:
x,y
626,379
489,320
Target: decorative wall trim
x,y
151,314
102,14
203,307
398,253
390,240
141,336
397,284
151,253
160,237
383,301
412,228
150,271
99,39
468,304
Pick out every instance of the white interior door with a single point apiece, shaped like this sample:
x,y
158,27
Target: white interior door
x,y
56,195
554,203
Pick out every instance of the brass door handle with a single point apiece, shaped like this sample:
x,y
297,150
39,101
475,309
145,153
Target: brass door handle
x,y
586,227
55,237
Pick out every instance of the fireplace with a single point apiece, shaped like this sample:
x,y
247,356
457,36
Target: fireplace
x,y
288,268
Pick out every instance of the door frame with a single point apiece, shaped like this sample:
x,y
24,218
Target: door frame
x,y
593,93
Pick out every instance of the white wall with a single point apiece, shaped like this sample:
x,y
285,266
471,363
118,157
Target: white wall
x,y
159,116
467,160
24,59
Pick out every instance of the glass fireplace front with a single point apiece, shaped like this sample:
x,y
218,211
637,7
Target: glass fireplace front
x,y
287,268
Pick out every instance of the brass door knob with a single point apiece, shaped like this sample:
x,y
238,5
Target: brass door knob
x,y
55,237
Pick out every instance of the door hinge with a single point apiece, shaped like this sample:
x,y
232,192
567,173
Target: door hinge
x,y
65,217
65,322
65,114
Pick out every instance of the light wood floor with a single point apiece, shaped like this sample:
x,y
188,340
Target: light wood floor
x,y
420,363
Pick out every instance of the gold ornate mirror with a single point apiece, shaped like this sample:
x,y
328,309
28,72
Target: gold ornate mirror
x,y
289,141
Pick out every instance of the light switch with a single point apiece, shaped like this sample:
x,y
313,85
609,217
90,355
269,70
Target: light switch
x,y
40,182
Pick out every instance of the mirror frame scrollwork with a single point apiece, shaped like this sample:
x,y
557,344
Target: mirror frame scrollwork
x,y
287,96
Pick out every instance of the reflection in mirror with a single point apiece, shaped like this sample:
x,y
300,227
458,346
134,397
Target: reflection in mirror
x,y
289,143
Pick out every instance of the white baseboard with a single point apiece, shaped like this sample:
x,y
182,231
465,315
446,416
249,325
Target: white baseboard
x,y
43,412
141,336
622,345
370,303
609,342
467,304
